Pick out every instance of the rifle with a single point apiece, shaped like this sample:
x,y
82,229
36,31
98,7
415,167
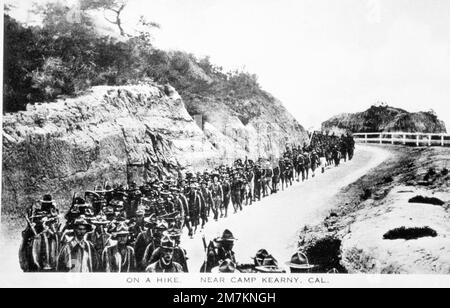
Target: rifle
x,y
30,225
206,254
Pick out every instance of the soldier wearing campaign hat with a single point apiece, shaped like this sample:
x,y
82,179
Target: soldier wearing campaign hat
x,y
299,264
78,255
179,254
119,257
219,250
166,263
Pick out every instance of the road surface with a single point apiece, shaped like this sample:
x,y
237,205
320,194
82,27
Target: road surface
x,y
272,224
275,222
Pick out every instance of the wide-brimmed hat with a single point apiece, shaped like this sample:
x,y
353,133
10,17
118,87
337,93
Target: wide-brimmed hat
x,y
162,225
300,261
225,266
174,232
160,201
167,243
47,199
121,229
265,259
151,219
140,212
109,210
270,269
79,201
81,221
227,236
100,221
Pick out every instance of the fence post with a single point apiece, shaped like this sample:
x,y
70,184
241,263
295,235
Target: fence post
x,y
429,140
404,139
417,140
381,138
392,139
442,140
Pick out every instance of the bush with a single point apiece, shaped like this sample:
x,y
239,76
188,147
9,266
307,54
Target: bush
x,y
410,233
61,58
52,79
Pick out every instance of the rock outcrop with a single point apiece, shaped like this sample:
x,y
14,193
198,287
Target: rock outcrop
x,y
385,119
120,134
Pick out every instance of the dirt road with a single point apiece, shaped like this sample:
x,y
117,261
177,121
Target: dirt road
x,y
274,223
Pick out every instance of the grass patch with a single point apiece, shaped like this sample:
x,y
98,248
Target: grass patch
x,y
326,254
404,233
427,200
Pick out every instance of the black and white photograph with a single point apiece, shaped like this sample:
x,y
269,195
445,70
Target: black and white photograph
x,y
225,144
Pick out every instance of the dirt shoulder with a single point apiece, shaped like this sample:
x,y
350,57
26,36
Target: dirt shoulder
x,y
374,228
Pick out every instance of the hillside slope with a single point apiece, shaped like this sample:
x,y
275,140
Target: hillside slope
x,y
123,133
385,119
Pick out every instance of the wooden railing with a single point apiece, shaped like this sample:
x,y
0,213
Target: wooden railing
x,y
414,139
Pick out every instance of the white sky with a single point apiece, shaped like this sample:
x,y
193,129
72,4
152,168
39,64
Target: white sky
x,y
320,57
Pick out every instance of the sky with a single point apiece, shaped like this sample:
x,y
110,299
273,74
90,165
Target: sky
x,y
319,57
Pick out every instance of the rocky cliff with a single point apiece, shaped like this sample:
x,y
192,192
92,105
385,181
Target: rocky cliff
x,y
125,133
385,119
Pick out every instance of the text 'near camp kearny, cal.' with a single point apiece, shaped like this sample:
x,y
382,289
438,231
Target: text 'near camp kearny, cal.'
x,y
123,153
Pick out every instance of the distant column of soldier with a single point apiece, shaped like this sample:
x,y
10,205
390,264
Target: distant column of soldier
x,y
139,229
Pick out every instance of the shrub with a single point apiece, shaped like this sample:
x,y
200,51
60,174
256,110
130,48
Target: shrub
x,y
410,233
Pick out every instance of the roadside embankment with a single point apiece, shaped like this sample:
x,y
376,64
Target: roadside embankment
x,y
394,220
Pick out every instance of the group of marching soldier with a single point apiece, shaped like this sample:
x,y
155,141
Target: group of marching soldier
x,y
139,229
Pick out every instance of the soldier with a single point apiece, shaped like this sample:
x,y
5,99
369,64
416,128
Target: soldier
x,y
134,199
289,171
158,234
194,203
276,179
219,250
236,190
266,263
307,164
315,161
99,237
137,225
209,202
322,159
268,180
336,156
40,241
143,241
217,196
350,146
119,257
258,182
300,166
343,148
179,254
225,267
48,207
299,264
166,263
226,188
181,206
79,255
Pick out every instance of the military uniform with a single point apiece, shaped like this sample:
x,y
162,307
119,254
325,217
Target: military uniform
x,y
78,257
116,260
160,267
226,188
217,199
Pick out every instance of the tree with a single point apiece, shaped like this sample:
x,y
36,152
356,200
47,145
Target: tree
x,y
113,7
